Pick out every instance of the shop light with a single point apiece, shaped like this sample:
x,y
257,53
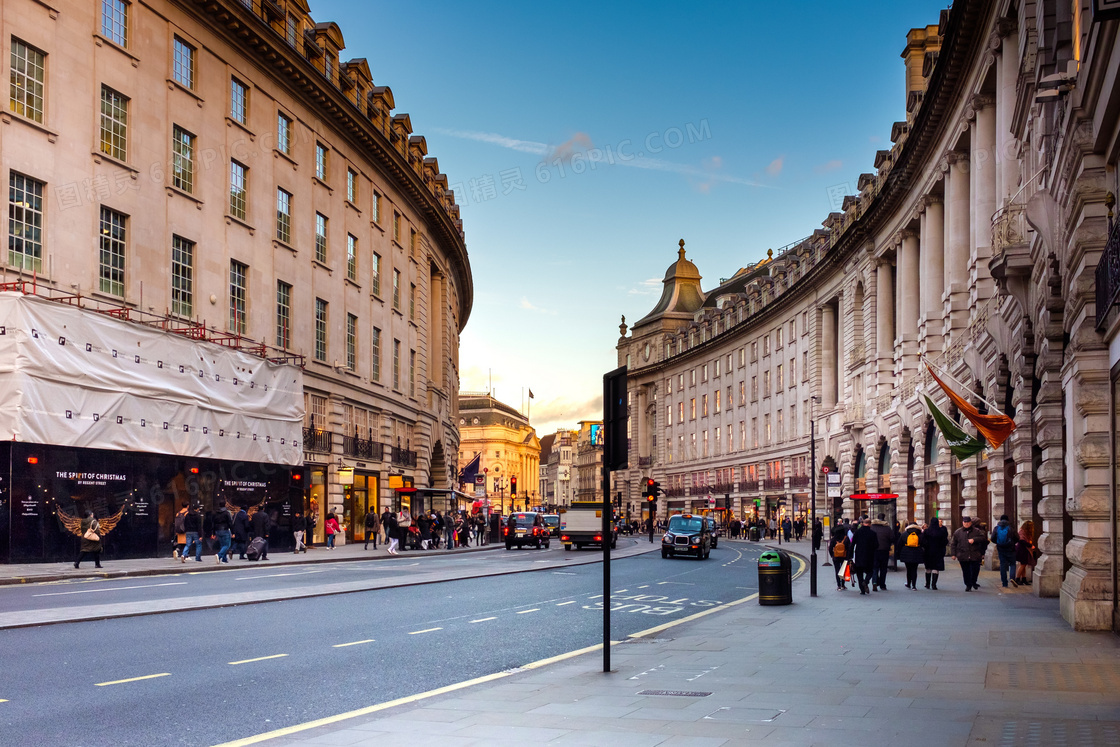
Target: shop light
x,y
32,460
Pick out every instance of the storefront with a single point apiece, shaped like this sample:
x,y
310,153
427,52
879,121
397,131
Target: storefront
x,y
359,495
45,490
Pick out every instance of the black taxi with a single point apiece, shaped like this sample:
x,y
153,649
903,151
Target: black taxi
x,y
525,528
687,535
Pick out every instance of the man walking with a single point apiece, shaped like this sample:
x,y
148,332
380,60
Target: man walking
x,y
241,531
969,544
885,535
1004,538
259,524
192,526
864,545
221,524
372,526
299,528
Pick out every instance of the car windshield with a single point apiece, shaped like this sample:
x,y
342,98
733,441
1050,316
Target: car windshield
x,y
684,524
524,520
552,521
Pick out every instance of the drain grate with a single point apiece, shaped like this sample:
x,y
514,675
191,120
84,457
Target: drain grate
x,y
1102,676
676,693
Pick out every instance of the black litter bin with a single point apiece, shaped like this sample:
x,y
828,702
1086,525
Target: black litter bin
x,y
755,535
775,578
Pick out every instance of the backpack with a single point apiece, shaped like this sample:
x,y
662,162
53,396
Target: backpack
x,y
1003,536
180,524
840,550
912,540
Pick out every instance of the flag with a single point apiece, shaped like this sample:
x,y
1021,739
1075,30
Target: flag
x,y
530,394
960,443
994,428
468,473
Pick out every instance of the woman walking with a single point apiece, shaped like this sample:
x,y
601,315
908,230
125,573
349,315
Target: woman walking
x,y
91,540
937,539
392,531
331,528
1025,554
911,551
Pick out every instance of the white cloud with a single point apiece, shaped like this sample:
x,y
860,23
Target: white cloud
x,y
775,166
832,165
648,287
528,306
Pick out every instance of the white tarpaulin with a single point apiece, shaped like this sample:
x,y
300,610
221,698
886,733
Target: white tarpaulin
x,y
72,377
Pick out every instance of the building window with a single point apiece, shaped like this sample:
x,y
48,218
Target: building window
x,y
754,389
716,372
351,257
284,216
182,277
396,364
376,355
320,162
396,227
351,342
351,186
412,373
320,238
114,21
766,345
238,101
238,293
284,134
704,405
779,427
692,409
397,290
182,64
717,401
291,29
412,241
320,329
779,380
742,394
25,222
805,366
766,429
27,81
182,159
669,385
114,124
283,314
112,239
792,372
778,337
376,208
680,412
375,277
692,377
742,438
237,179
754,352
412,301
680,382
704,373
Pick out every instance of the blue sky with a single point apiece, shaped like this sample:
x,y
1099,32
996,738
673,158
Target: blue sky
x,y
586,139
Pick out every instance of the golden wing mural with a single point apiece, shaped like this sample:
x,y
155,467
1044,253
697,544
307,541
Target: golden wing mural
x,y
74,525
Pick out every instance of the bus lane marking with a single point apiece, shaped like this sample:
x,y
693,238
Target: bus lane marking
x,y
130,679
561,604
354,643
427,630
113,588
259,658
482,620
525,612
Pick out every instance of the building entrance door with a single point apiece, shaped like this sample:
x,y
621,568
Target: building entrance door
x,y
357,499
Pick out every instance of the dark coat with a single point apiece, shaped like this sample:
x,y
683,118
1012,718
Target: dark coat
x,y
885,535
241,526
937,539
90,545
192,522
963,550
424,524
864,544
911,554
259,524
220,520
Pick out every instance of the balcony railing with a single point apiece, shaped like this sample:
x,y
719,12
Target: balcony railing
x,y
799,481
722,487
317,440
403,457
363,448
774,483
1108,275
645,461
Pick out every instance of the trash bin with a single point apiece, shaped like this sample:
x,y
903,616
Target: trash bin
x,y
775,578
755,535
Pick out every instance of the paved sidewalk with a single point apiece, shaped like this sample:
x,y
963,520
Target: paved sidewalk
x,y
902,667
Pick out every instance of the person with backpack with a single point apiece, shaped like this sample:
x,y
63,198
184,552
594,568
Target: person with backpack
x,y
220,524
372,526
911,551
1005,539
840,550
937,539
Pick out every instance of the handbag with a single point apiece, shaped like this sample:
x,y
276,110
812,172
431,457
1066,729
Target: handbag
x,y
91,535
1035,552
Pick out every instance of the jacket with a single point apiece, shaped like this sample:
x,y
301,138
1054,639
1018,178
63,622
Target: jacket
x,y
969,552
884,534
241,526
864,544
222,520
911,554
259,524
1012,536
192,522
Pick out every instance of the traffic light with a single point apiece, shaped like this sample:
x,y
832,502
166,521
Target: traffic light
x,y
647,487
657,490
513,485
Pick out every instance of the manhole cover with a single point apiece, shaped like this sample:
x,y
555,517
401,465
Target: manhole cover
x,y
744,715
676,693
1102,676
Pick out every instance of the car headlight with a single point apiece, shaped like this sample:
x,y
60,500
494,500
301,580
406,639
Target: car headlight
x,y
667,538
694,538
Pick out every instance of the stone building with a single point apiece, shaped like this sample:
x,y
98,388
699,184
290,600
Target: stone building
x,y
588,471
556,468
509,448
217,165
983,240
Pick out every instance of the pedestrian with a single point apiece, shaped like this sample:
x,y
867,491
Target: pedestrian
x,y
886,537
180,531
787,528
818,534
911,551
331,527
1026,554
299,529
495,528
220,524
449,530
968,547
259,525
773,528
385,516
312,521
1005,538
865,542
392,531
372,527
192,535
424,524
404,527
91,540
240,532
840,550
937,539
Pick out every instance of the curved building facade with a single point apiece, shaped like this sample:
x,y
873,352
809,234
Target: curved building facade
x,y
984,240
218,165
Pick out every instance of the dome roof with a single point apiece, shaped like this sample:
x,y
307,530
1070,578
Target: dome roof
x,y
682,294
682,268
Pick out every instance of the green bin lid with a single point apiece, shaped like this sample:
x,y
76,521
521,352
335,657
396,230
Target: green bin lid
x,y
769,558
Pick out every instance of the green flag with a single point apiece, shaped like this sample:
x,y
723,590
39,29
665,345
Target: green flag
x,y
960,443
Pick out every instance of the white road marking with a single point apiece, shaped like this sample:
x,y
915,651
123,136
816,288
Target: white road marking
x,y
644,587
355,643
130,679
563,603
525,612
428,630
482,620
596,596
113,588
259,658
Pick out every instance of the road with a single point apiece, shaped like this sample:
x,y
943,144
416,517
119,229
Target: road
x,y
208,676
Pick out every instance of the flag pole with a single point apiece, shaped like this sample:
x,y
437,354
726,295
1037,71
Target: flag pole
x,y
968,389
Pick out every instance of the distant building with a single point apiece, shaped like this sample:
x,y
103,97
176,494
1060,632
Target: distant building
x,y
508,448
589,461
556,468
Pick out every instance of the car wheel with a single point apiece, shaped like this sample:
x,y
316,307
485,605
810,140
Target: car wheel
x,y
509,546
538,544
567,548
547,544
664,553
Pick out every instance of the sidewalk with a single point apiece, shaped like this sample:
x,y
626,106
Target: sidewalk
x,y
997,666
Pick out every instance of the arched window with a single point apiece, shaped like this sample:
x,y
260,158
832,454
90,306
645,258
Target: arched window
x,y
884,467
861,471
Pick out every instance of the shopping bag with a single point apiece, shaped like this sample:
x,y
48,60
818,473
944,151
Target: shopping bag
x,y
847,571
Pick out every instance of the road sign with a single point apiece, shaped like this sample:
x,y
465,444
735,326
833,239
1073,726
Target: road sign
x,y
825,469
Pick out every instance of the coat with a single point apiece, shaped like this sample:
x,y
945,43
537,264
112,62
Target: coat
x,y
259,524
241,526
963,550
864,544
90,545
1024,549
840,538
911,554
884,534
937,539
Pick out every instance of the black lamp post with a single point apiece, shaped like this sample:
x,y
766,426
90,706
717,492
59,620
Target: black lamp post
x,y
812,499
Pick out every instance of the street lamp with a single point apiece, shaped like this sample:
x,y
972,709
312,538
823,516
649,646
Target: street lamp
x,y
812,498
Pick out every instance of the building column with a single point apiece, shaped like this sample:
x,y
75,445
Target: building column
x,y
932,259
983,197
909,299
884,324
1048,425
1007,147
828,356
957,224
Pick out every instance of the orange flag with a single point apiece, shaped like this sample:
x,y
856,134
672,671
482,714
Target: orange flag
x,y
994,428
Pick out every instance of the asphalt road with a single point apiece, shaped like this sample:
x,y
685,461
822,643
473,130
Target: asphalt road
x,y
207,676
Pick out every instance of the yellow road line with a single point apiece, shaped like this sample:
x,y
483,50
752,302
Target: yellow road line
x,y
355,643
428,630
525,612
259,658
130,679
482,620
410,699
